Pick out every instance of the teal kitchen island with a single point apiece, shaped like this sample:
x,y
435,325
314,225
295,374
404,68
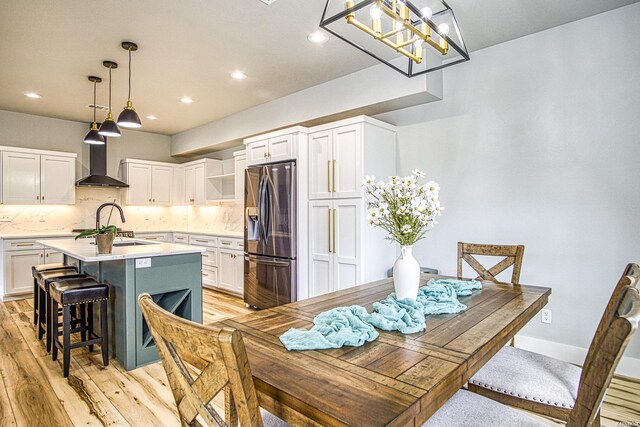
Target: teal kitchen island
x,y
170,273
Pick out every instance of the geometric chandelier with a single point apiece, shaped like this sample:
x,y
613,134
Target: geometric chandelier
x,y
413,36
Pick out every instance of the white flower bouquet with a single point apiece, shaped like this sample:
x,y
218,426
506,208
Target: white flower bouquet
x,y
402,207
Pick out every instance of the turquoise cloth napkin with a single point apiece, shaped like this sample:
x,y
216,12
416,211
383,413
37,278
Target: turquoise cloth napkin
x,y
354,325
332,329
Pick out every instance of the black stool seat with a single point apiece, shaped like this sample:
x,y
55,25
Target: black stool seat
x,y
42,276
46,267
39,272
69,293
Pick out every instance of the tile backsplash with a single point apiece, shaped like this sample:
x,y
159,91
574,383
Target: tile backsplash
x,y
63,218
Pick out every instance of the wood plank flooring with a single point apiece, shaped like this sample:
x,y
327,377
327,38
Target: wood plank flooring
x,y
33,391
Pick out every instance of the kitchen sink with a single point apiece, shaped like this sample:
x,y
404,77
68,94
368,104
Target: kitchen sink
x,y
132,243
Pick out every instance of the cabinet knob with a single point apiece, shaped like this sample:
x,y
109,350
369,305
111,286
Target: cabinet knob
x,y
154,200
149,200
37,197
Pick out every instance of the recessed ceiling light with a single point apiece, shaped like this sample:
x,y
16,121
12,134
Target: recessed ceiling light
x,y
151,117
186,100
238,75
318,37
32,95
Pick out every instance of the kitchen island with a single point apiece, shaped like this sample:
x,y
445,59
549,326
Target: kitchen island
x,y
170,272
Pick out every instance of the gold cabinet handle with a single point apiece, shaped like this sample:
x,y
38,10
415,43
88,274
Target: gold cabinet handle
x,y
335,224
24,244
333,173
329,229
42,198
149,200
205,274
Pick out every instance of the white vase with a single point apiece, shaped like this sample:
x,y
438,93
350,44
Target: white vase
x,y
406,274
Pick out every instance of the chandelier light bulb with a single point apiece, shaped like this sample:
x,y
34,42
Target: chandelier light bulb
x,y
426,12
443,29
375,12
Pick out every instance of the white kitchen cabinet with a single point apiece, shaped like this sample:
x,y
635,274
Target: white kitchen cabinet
x,y
20,178
336,245
276,146
231,270
154,237
200,183
17,270
320,163
150,183
57,180
51,256
37,176
240,165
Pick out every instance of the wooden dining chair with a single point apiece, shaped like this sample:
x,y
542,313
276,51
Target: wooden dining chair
x,y
512,256
559,389
222,355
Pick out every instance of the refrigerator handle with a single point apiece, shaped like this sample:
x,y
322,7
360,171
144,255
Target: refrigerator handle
x,y
261,203
268,195
262,261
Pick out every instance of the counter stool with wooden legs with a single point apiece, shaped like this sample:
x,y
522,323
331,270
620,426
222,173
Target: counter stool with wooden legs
x,y
35,271
73,292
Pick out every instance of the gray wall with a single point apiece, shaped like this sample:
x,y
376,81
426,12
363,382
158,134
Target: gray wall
x,y
537,142
28,131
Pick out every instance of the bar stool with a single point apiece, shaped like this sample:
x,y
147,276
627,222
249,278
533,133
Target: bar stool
x,y
35,270
72,292
44,282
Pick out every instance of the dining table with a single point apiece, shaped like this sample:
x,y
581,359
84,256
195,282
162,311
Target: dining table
x,y
397,379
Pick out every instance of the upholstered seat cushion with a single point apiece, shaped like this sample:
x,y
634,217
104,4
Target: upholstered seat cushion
x,y
270,420
60,273
467,409
47,282
530,376
78,291
46,267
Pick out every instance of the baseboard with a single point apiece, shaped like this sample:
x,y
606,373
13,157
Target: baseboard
x,y
628,366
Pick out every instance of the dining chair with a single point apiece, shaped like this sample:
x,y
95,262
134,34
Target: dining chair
x,y
512,256
558,389
222,353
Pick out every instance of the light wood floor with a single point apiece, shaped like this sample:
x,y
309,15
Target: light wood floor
x,y
34,393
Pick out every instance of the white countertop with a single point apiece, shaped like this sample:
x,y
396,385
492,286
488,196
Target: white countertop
x,y
87,251
49,234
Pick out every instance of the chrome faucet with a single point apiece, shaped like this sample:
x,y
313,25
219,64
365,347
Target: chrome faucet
x,y
104,205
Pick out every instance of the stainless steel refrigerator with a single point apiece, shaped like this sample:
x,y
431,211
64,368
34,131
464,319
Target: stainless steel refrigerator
x,y
270,235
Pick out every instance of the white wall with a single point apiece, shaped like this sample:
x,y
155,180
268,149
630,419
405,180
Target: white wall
x,y
537,142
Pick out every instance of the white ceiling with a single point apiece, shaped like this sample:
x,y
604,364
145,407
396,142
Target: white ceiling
x,y
189,47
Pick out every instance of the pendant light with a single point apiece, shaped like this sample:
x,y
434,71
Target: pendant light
x,y
129,118
93,137
109,127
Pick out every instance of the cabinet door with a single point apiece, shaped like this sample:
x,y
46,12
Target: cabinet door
x,y
257,152
347,250
320,164
347,158
280,148
57,180
18,278
139,180
199,188
189,184
239,273
226,269
240,163
320,244
161,185
52,256
20,178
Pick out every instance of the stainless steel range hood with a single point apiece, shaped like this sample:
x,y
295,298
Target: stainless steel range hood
x,y
98,170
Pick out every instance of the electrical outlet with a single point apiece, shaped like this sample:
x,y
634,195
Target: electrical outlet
x,y
546,315
5,218
143,262
42,217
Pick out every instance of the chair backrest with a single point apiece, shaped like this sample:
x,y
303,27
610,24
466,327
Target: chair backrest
x,y
630,277
221,355
512,256
603,358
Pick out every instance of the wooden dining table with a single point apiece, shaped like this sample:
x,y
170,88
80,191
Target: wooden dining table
x,y
396,380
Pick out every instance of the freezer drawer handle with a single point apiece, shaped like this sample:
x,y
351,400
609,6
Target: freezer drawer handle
x,y
275,263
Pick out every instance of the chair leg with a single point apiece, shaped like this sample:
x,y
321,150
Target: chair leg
x,y
36,305
53,328
66,339
90,323
104,330
83,322
42,310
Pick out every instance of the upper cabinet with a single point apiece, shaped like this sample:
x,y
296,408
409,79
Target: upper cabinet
x,y
274,147
37,176
150,183
342,153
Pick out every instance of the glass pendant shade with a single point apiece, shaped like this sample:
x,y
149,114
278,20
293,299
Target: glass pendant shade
x,y
93,137
129,118
109,127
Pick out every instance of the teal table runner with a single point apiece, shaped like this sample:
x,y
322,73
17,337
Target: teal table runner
x,y
354,326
